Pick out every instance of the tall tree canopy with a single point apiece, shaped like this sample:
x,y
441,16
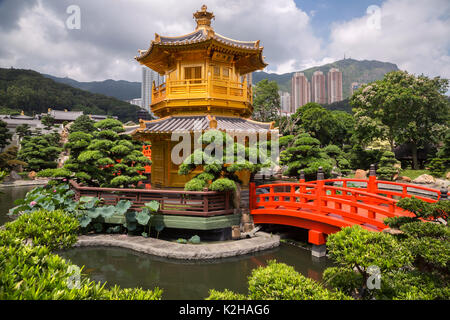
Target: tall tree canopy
x,y
402,108
329,127
266,101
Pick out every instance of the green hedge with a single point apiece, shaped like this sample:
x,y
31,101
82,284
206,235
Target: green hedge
x,y
278,281
30,270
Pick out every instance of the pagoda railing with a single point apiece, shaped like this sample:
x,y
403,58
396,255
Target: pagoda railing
x,y
202,88
172,202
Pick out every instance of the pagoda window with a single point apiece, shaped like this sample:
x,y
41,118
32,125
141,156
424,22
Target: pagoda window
x,y
226,73
216,72
194,74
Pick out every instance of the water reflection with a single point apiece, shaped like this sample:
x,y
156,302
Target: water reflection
x,y
7,197
186,279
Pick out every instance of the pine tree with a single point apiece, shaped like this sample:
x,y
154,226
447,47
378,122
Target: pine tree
x,y
386,169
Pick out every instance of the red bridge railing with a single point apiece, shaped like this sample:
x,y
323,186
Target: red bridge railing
x,y
325,209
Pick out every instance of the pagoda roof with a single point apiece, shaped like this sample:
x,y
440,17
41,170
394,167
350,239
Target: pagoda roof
x,y
201,123
204,37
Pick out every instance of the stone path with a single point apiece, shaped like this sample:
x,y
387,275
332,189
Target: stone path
x,y
167,249
20,183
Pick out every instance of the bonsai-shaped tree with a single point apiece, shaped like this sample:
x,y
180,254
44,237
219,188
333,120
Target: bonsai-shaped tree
x,y
23,130
306,155
5,135
341,163
8,159
441,163
48,122
40,152
386,169
83,124
105,158
219,173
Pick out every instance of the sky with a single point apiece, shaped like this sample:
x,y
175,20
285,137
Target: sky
x,y
43,35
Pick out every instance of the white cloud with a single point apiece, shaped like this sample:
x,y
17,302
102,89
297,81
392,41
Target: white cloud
x,y
412,34
111,34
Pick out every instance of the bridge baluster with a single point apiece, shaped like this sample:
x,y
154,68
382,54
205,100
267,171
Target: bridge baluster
x,y
319,190
292,193
443,194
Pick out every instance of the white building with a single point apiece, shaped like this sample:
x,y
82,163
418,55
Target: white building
x,y
285,102
136,102
148,76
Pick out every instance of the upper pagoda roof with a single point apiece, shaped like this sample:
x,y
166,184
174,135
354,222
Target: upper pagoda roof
x,y
157,55
202,35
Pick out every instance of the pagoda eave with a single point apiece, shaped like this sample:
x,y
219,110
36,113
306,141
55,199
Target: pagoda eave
x,y
160,57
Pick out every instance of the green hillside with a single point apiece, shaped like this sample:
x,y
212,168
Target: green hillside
x,y
120,89
364,71
33,93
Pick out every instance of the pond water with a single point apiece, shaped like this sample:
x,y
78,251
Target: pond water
x,y
7,197
187,279
179,279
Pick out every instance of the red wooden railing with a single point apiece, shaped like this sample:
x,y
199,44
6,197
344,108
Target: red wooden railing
x,y
325,209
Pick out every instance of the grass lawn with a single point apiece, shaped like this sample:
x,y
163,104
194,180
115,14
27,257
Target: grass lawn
x,y
413,173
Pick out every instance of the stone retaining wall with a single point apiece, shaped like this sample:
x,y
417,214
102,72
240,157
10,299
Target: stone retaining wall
x,y
167,249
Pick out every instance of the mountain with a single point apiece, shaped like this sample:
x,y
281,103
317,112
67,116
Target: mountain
x,y
33,93
120,89
364,71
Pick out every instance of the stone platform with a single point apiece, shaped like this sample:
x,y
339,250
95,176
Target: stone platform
x,y
167,249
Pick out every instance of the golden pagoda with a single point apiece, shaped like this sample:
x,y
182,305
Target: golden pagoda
x,y
206,86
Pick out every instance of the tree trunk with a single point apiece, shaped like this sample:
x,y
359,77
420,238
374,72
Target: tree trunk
x,y
415,163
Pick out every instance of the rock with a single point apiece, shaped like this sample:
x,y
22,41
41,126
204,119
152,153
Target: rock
x,y
248,226
235,232
405,178
424,178
360,174
392,231
442,183
32,175
14,175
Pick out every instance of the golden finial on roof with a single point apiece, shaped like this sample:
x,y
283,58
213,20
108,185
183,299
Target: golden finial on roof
x,y
203,18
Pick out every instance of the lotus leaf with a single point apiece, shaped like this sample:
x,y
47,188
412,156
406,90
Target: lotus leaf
x,y
122,206
143,217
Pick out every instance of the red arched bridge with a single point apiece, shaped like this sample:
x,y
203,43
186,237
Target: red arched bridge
x,y
323,208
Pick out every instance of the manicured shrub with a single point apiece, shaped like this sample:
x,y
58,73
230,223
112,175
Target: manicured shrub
x,y
225,295
439,166
413,264
104,157
354,248
223,165
195,185
306,155
278,281
53,229
223,184
386,169
29,270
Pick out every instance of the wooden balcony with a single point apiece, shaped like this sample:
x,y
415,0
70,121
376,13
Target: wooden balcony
x,y
201,89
